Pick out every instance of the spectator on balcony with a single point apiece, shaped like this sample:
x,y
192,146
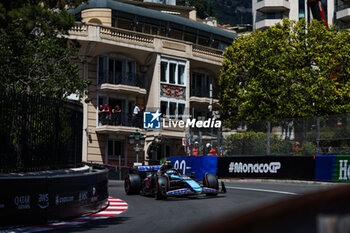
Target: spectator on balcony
x,y
135,115
116,115
142,109
107,114
102,115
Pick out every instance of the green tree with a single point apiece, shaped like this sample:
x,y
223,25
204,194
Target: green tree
x,y
289,70
35,55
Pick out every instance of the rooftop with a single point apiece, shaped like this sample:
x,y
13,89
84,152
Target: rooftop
x,y
154,14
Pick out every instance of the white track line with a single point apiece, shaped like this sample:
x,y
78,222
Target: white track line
x,y
263,190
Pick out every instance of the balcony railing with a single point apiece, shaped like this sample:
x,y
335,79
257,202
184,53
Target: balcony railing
x,y
207,50
130,79
79,29
270,16
204,93
96,32
119,33
344,26
120,119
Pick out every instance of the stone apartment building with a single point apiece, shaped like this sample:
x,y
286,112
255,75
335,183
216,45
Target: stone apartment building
x,y
156,59
269,12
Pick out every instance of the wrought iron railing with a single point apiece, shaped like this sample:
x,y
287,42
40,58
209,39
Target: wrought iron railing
x,y
120,119
39,133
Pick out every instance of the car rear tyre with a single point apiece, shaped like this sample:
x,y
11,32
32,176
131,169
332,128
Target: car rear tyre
x,y
132,184
161,187
211,181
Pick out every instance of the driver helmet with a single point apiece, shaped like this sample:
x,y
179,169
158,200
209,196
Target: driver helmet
x,y
208,145
170,172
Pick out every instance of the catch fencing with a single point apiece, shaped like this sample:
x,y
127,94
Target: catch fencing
x,y
39,133
327,135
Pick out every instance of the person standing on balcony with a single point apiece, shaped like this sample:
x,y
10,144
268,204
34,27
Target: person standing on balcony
x,y
101,115
117,114
135,115
107,113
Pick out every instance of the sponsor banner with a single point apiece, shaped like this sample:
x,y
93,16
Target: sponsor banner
x,y
37,199
195,165
332,167
277,167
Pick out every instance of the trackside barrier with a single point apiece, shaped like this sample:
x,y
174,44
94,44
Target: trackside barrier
x,y
332,168
37,199
194,165
276,167
114,172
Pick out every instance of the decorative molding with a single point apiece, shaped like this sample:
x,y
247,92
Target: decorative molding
x,y
172,91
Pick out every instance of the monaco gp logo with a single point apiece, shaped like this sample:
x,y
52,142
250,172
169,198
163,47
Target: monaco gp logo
x,y
238,167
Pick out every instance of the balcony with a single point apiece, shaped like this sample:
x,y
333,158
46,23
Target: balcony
x,y
202,96
123,83
144,42
267,6
343,12
121,123
266,20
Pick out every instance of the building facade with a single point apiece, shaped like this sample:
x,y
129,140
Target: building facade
x,y
138,56
269,12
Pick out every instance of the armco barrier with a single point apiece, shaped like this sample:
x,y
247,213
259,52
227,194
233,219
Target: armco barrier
x,y
332,168
194,165
38,199
276,167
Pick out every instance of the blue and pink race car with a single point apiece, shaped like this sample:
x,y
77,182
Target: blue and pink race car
x,y
164,181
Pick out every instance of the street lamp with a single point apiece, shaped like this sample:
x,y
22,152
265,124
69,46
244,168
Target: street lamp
x,y
135,138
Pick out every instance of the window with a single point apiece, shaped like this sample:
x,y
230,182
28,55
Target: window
x,y
163,108
190,37
115,148
102,69
117,69
172,72
172,109
164,68
180,111
204,41
126,24
176,34
180,74
200,85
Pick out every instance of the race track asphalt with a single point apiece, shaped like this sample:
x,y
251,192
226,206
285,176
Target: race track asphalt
x,y
147,215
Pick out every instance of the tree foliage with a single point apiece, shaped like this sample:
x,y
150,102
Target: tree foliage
x,y
35,55
289,70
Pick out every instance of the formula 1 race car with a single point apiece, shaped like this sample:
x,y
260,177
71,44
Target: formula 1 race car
x,y
164,181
